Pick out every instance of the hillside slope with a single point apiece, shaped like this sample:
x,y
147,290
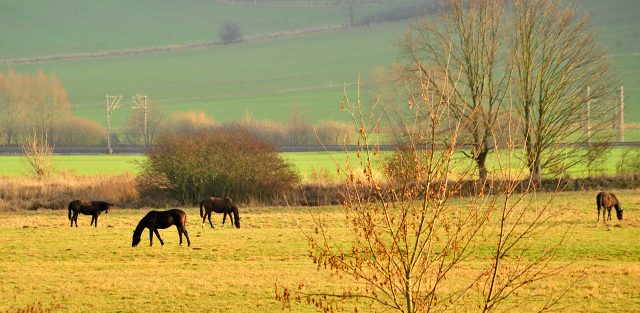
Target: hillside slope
x,y
261,78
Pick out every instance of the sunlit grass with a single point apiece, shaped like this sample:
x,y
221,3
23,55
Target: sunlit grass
x,y
234,270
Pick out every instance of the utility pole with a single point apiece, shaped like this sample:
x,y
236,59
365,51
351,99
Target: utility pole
x,y
588,116
620,114
110,107
141,103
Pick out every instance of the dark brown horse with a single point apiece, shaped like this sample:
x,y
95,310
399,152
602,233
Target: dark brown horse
x,y
606,200
219,205
93,208
161,219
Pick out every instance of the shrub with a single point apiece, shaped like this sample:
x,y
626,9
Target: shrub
x,y
76,131
220,163
334,133
189,122
268,131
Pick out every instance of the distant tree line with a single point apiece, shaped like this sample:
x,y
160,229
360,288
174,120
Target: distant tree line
x,y
39,105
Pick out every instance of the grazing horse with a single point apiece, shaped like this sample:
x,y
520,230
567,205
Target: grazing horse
x,y
93,208
606,200
219,205
161,219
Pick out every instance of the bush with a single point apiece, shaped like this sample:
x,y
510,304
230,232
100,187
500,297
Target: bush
x,y
76,131
186,123
268,131
220,163
334,132
230,31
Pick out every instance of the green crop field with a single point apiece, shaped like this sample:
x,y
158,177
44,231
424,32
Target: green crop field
x,y
234,270
260,78
310,165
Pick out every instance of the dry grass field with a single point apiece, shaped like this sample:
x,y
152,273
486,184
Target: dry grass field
x,y
84,269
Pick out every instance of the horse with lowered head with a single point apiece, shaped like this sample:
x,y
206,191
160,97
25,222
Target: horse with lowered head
x,y
155,220
219,205
93,208
607,200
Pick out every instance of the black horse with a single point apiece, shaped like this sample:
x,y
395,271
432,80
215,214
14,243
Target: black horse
x,y
606,200
161,219
93,208
219,205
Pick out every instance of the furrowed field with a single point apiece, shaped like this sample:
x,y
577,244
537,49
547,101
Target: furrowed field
x,y
234,270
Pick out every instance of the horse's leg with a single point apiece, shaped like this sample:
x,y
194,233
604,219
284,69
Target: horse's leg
x,y
609,210
180,234
231,220
184,230
150,237
75,218
204,218
209,216
224,218
155,230
93,217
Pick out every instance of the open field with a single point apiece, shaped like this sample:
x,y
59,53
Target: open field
x,y
308,164
47,28
263,79
234,270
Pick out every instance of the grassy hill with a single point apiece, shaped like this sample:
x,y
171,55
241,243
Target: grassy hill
x,y
262,78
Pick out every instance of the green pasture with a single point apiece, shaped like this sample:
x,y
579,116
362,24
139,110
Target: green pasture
x,y
311,165
263,79
37,28
82,165
234,270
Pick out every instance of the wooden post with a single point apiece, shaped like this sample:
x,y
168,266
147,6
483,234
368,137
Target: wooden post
x,y
621,114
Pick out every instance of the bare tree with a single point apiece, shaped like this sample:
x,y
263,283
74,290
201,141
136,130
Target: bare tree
x,y
412,247
47,103
230,31
556,57
37,155
298,127
464,44
12,105
155,115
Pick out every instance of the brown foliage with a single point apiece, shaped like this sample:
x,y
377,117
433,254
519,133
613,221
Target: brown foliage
x,y
185,123
220,163
76,131
268,131
56,193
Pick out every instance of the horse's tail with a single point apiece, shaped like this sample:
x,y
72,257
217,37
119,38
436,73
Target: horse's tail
x,y
201,204
70,209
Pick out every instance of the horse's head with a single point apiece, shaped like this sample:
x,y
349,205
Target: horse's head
x,y
236,217
109,205
619,212
136,239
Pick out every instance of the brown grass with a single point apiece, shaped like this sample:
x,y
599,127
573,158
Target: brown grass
x,y
55,193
